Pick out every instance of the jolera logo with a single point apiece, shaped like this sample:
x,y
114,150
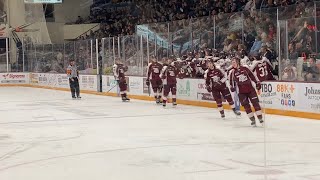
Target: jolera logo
x,y
13,76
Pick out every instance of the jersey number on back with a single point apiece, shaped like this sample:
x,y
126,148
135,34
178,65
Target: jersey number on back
x,y
263,71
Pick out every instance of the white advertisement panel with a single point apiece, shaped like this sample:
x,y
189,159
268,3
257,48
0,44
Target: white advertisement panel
x,y
304,97
50,80
280,95
62,81
88,82
201,92
40,79
14,78
185,89
268,96
109,84
136,85
309,97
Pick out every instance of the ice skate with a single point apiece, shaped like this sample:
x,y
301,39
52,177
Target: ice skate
x,y
164,104
174,104
79,97
223,116
125,98
253,122
261,122
158,101
236,112
73,97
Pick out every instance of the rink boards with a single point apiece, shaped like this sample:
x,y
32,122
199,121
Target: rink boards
x,y
282,98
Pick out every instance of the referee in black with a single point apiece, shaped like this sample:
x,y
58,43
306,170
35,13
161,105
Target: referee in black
x,y
73,75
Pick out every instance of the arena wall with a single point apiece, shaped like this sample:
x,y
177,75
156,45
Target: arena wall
x,y
281,98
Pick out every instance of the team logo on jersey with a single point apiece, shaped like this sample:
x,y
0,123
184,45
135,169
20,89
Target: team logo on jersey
x,y
156,70
171,73
216,78
242,78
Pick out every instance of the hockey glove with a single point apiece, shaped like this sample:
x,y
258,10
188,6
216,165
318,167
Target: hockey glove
x,y
148,82
232,89
209,89
258,86
218,84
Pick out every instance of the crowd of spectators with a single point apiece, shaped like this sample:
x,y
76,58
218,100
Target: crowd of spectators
x,y
258,32
122,16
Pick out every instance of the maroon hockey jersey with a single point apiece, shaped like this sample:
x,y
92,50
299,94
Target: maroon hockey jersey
x,y
119,71
263,70
215,78
169,74
242,77
154,70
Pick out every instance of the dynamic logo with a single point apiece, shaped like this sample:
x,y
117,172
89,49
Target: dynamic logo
x,y
286,90
14,76
185,90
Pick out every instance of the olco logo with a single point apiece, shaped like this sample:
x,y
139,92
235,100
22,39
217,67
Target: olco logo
x,y
13,76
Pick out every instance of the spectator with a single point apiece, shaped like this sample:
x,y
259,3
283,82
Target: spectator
x,y
79,20
293,55
227,45
311,70
256,45
289,73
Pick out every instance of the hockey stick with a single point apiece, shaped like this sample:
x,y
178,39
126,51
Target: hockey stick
x,y
112,87
149,91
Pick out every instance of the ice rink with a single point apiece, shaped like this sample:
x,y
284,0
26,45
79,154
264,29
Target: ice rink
x,y
44,135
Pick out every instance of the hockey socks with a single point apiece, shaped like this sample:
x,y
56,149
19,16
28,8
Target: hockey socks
x,y
164,103
253,121
174,101
222,114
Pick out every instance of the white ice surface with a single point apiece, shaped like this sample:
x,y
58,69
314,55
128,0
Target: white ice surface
x,y
44,135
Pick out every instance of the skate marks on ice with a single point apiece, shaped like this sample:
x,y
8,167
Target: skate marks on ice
x,y
312,177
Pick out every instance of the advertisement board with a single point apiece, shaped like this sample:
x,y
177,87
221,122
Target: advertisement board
x,y
185,88
88,82
280,95
309,97
136,85
301,97
109,84
14,78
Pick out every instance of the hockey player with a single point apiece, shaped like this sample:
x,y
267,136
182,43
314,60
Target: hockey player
x,y
73,75
169,75
191,66
153,76
216,84
200,65
289,73
119,70
242,78
262,68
